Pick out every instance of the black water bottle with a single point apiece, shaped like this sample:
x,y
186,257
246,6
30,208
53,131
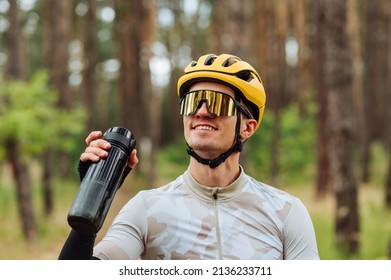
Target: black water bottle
x,y
101,182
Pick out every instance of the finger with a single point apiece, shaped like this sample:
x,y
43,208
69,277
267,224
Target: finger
x,y
93,154
133,159
89,157
100,143
92,136
96,151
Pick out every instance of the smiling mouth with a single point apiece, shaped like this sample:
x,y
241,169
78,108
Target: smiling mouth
x,y
204,127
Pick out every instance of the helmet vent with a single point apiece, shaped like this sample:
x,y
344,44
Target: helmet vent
x,y
226,63
245,76
230,61
210,59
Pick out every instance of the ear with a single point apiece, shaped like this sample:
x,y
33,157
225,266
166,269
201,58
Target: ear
x,y
248,127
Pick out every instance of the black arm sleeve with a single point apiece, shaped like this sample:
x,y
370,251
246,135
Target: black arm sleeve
x,y
78,246
82,168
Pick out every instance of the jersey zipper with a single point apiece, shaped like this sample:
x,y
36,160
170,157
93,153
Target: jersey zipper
x,y
217,222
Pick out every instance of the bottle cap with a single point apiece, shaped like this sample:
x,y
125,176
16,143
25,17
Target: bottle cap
x,y
120,137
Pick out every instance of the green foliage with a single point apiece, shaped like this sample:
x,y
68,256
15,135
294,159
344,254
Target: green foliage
x,y
175,153
258,149
296,147
29,116
297,142
172,160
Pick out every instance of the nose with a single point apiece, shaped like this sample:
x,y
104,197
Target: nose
x,y
203,109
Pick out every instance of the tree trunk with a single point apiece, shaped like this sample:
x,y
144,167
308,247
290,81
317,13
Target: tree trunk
x,y
273,18
387,102
61,14
127,29
57,30
376,86
304,62
90,51
231,28
150,96
275,146
355,24
172,125
323,154
388,185
21,176
338,79
388,175
279,94
47,183
11,39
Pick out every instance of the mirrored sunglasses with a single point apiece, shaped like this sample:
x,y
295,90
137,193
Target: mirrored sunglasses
x,y
218,103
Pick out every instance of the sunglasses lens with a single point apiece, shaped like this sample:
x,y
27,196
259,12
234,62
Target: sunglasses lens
x,y
218,104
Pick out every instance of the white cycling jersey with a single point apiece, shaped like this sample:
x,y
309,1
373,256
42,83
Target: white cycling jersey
x,y
185,220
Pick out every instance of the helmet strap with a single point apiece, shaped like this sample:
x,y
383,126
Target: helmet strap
x,y
213,163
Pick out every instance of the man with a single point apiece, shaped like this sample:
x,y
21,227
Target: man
x,y
213,210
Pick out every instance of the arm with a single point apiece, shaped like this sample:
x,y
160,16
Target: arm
x,y
299,234
126,237
78,247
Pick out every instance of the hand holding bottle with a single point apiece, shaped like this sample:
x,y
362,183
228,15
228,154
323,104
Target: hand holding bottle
x,y
97,148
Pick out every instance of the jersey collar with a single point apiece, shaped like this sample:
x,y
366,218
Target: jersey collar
x,y
216,193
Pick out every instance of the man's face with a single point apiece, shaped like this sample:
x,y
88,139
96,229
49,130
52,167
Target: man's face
x,y
208,134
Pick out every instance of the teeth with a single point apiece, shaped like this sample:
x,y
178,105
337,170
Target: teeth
x,y
204,127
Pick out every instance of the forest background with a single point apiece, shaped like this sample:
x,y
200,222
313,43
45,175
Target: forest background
x,y
70,67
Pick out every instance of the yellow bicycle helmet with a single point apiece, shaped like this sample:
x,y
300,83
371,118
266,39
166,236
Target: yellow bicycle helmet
x,y
232,71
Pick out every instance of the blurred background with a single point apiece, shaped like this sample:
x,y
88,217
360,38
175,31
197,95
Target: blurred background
x,y
70,67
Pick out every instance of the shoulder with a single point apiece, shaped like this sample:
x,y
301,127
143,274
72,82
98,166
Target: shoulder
x,y
292,215
145,199
150,196
279,203
170,187
269,192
